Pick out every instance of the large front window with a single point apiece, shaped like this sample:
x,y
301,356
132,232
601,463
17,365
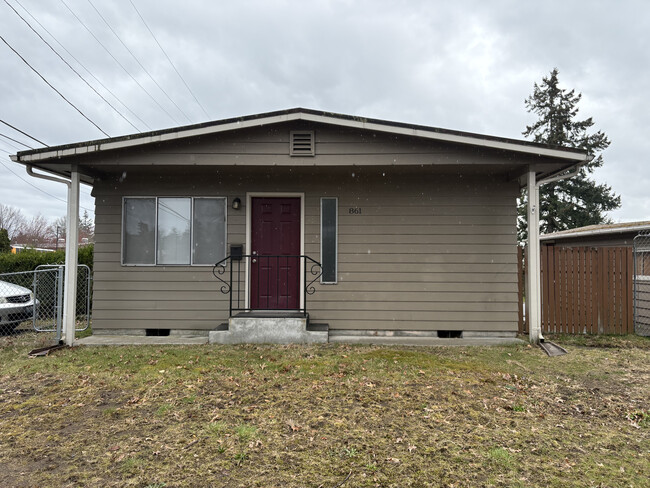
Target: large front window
x,y
174,230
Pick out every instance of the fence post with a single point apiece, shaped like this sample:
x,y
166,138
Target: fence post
x,y
520,289
629,326
59,302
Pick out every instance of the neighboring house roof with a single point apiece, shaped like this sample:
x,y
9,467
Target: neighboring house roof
x,y
598,230
308,115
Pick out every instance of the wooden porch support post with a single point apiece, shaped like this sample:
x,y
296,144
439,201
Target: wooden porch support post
x,y
71,253
533,274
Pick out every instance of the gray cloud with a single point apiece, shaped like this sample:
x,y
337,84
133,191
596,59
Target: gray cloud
x,y
467,66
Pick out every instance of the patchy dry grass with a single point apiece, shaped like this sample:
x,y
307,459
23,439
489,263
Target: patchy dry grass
x,y
329,416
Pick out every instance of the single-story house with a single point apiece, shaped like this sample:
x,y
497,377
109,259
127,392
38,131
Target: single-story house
x,y
354,227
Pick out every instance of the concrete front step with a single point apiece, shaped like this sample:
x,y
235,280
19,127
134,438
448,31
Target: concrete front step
x,y
269,328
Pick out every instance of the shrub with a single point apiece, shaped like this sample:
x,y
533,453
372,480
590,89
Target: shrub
x,y
28,260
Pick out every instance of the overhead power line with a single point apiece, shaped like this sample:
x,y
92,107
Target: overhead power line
x,y
70,66
52,87
22,132
119,64
137,60
170,61
16,140
36,187
83,66
10,144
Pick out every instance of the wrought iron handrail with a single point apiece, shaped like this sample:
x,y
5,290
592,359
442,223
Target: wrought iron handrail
x,y
240,268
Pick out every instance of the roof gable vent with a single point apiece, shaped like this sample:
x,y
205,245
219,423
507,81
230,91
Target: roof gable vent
x,y
302,143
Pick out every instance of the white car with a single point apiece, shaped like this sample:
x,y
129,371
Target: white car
x,y
16,305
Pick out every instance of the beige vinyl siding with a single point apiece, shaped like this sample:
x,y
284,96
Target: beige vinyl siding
x,y
152,297
334,147
427,252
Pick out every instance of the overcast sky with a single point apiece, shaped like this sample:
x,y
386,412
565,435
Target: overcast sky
x,y
464,65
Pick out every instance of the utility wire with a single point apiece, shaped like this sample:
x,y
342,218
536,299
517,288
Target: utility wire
x,y
16,148
137,60
39,189
120,64
170,61
82,65
15,140
52,87
22,132
69,66
11,163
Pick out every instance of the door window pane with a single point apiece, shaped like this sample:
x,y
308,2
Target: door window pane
x,y
209,230
329,239
139,231
174,216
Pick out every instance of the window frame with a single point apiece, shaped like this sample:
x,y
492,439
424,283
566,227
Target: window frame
x,y
155,250
336,241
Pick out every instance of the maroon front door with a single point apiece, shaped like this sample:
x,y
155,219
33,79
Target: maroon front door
x,y
275,249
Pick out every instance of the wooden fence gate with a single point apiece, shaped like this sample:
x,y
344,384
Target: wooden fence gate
x,y
585,290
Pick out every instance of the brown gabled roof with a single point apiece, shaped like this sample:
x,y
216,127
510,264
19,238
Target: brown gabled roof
x,y
140,139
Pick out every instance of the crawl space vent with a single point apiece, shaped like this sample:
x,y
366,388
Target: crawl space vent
x,y
302,143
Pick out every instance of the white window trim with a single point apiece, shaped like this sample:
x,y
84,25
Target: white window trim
x,y
336,244
155,264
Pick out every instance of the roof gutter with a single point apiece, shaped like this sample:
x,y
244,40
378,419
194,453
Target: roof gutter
x,y
30,172
565,173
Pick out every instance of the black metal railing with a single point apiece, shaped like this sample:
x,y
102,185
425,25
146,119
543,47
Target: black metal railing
x,y
274,282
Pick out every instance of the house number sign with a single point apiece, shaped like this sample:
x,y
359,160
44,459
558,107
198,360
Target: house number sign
x,y
354,210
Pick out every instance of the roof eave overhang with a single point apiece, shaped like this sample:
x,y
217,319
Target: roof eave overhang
x,y
351,122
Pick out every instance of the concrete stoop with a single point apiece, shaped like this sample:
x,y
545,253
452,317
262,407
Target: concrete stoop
x,y
255,328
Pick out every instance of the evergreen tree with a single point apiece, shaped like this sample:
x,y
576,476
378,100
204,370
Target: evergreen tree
x,y
5,243
579,200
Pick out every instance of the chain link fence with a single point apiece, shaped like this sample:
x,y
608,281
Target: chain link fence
x,y
642,284
31,305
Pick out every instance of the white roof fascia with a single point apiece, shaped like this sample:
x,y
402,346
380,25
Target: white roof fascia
x,y
359,124
170,136
426,134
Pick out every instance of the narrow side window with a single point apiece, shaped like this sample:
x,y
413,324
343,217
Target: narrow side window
x,y
139,231
329,239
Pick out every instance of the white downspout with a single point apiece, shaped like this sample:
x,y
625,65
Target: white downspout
x,y
71,251
533,273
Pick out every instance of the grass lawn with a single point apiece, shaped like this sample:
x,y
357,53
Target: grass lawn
x,y
327,416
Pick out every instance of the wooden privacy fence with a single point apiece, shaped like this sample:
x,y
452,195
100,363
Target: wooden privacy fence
x,y
585,290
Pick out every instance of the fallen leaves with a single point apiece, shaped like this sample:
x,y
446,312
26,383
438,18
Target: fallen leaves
x,y
432,419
